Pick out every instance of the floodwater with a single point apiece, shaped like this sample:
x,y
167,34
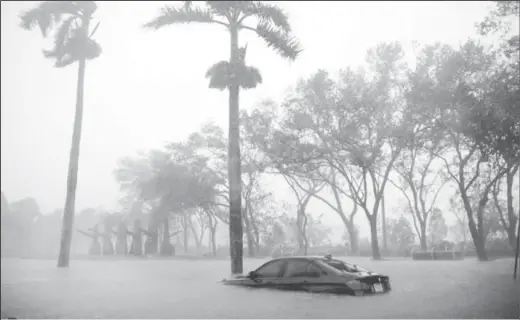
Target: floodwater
x,y
190,289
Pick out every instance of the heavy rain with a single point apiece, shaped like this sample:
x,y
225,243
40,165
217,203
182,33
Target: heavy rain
x,y
260,159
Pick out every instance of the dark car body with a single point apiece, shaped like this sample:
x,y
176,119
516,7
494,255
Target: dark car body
x,y
314,274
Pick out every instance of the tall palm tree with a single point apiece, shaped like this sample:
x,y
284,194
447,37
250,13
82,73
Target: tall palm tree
x,y
70,21
273,27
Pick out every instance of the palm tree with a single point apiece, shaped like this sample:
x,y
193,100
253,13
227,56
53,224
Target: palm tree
x,y
273,27
70,21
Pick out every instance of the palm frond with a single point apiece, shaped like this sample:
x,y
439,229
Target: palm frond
x,y
269,14
250,78
287,46
219,67
223,8
32,18
61,59
218,75
221,75
64,61
87,8
92,50
170,15
63,34
77,46
46,14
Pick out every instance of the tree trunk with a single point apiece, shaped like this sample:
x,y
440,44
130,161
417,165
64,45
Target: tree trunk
x,y
121,239
349,223
424,242
511,236
383,222
353,237
234,171
255,232
166,236
95,246
151,245
249,234
376,255
517,251
136,247
108,246
476,235
464,238
212,232
213,237
301,223
72,177
478,241
186,235
202,232
299,230
167,248
304,234
194,233
511,230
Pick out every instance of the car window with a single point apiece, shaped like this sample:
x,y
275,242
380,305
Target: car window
x,y
301,268
270,270
313,269
342,266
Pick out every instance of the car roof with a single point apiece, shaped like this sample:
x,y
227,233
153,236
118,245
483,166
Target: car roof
x,y
304,258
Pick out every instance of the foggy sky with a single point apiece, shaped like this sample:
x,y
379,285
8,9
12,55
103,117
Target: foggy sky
x,y
148,87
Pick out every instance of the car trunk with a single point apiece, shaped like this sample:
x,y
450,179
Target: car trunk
x,y
373,279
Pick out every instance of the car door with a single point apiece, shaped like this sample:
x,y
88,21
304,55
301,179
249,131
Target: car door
x,y
269,274
301,274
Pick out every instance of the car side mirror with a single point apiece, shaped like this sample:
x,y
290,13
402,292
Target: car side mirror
x,y
313,274
251,275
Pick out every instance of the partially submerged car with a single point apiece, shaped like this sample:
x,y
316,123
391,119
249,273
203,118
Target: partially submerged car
x,y
314,274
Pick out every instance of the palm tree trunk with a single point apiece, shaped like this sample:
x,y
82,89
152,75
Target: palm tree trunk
x,y
72,177
517,253
234,170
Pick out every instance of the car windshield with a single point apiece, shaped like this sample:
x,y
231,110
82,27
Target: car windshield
x,y
343,266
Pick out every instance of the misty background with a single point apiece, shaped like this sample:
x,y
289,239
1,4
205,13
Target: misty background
x,y
148,89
